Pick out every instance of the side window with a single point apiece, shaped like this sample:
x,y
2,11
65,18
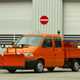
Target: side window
x,y
47,43
58,43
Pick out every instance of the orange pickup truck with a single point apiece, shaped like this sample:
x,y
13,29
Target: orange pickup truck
x,y
41,51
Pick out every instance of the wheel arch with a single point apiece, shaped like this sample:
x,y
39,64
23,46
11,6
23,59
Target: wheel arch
x,y
42,60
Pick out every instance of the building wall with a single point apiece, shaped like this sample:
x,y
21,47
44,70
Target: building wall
x,y
23,16
52,9
72,17
16,16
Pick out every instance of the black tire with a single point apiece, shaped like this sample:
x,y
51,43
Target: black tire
x,y
75,66
50,69
39,67
11,70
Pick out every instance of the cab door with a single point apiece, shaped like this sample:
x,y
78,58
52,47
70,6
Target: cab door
x,y
59,52
47,52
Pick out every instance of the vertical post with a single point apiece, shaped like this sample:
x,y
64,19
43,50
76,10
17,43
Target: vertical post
x,y
14,37
14,42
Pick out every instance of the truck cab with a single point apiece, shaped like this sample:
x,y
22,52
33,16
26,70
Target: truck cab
x,y
35,52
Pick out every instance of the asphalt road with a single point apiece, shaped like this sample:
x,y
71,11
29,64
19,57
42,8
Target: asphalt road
x,y
58,74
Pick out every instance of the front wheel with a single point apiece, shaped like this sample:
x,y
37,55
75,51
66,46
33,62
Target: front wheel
x,y
75,66
39,67
12,70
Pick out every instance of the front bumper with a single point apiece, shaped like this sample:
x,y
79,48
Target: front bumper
x,y
30,64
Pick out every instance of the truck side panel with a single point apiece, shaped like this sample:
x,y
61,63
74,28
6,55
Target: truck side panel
x,y
72,53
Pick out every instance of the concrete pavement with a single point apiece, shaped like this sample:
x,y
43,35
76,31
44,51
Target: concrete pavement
x,y
58,74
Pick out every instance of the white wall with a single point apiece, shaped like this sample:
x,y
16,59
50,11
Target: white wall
x,y
24,16
72,17
16,17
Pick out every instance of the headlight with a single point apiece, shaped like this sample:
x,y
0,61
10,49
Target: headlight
x,y
28,54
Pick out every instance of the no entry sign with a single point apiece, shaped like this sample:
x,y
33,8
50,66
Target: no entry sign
x,y
43,20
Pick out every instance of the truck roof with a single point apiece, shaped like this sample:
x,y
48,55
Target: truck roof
x,y
44,35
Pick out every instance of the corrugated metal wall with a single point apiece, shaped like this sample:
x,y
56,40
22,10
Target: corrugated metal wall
x,y
52,9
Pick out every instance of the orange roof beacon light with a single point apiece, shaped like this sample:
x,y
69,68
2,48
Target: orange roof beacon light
x,y
58,31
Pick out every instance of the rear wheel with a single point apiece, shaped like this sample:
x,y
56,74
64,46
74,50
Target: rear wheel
x,y
50,69
39,67
75,66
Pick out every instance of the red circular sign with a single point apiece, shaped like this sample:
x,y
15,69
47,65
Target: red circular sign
x,y
43,20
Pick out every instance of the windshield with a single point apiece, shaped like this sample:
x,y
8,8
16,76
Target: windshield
x,y
29,40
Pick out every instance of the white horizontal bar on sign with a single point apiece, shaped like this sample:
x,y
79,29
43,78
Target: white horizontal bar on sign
x,y
44,20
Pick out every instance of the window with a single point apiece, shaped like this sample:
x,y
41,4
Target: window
x,y
30,40
58,43
47,43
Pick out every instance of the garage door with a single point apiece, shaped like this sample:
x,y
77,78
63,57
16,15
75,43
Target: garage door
x,y
15,16
72,17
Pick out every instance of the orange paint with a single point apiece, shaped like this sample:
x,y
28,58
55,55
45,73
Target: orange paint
x,y
53,56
